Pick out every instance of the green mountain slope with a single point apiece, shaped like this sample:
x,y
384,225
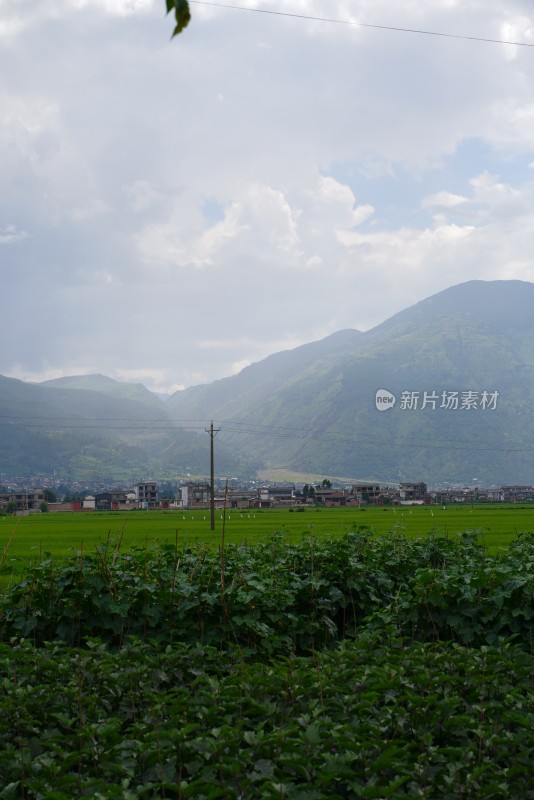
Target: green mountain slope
x,y
230,396
320,416
313,409
109,432
107,386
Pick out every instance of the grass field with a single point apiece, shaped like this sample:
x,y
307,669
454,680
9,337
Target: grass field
x,y
25,540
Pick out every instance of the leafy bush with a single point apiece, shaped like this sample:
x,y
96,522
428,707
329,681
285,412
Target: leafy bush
x,y
373,718
280,597
327,670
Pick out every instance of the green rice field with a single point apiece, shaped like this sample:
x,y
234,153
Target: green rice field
x,y
25,540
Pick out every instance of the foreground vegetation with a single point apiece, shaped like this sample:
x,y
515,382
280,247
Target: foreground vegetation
x,y
336,668
375,718
279,597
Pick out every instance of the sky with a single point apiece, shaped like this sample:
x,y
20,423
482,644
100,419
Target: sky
x,y
173,210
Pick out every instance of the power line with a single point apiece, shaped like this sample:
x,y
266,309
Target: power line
x,y
461,446
363,24
250,429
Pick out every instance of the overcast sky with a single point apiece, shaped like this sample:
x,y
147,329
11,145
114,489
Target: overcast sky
x,y
172,211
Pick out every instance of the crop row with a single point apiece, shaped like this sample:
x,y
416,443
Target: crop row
x,y
371,719
281,597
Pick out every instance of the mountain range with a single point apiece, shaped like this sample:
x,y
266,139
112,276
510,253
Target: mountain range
x,y
440,392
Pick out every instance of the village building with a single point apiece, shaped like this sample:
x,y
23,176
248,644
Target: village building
x,y
146,494
517,494
195,495
278,495
27,500
413,491
330,497
366,492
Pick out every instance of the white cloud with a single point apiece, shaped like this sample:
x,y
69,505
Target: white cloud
x,y
237,366
259,182
117,7
94,208
10,235
489,189
48,373
182,241
517,29
443,200
157,380
142,195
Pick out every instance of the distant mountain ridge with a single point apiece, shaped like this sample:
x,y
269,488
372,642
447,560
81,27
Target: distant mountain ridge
x,y
313,409
107,386
267,376
320,416
92,427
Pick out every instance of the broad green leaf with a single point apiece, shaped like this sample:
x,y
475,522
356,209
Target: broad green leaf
x,y
182,14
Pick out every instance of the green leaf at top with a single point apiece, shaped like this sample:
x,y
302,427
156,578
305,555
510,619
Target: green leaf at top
x,y
170,5
182,14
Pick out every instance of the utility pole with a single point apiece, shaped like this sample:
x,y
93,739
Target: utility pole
x,y
212,432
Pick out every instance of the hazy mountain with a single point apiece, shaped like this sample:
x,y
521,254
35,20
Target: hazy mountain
x,y
313,408
107,386
253,384
94,427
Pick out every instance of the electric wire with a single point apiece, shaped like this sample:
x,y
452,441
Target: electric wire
x,y
394,28
247,428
